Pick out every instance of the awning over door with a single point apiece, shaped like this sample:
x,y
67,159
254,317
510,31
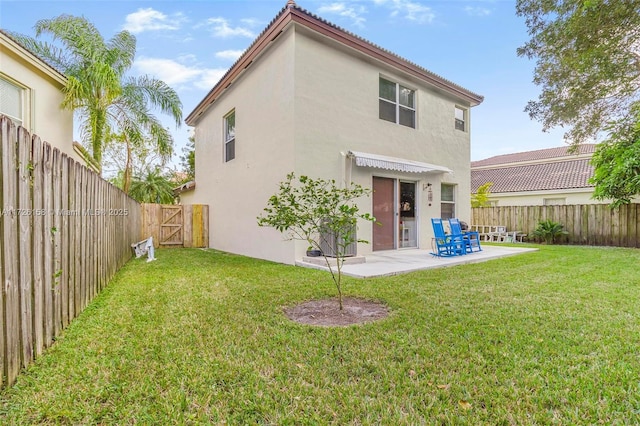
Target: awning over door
x,y
364,159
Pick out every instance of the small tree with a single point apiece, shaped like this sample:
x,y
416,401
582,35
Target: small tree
x,y
481,198
312,209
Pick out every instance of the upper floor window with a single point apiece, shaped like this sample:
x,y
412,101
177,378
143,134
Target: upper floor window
x,y
397,103
12,99
447,201
230,136
460,117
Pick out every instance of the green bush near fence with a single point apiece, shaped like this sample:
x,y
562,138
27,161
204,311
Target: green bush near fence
x,y
549,231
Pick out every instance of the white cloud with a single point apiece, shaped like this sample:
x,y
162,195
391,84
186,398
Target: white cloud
x,y
150,19
230,55
176,74
220,28
342,9
477,11
409,10
210,77
252,22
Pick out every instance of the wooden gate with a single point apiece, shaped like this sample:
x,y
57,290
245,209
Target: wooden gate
x,y
171,226
176,225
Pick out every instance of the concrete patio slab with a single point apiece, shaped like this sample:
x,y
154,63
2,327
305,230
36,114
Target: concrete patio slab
x,y
395,262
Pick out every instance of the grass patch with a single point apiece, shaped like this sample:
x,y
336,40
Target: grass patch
x,y
549,337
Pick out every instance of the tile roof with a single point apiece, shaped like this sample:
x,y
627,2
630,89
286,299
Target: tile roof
x,y
540,170
557,175
541,154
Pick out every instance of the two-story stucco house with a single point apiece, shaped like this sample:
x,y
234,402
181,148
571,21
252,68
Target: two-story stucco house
x,y
31,94
311,98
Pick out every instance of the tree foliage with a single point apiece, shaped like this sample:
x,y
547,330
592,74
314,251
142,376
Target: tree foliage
x,y
588,63
98,89
125,159
481,198
617,164
312,209
188,160
152,187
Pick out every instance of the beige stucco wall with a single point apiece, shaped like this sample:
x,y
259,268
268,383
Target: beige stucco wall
x,y
536,198
237,191
44,117
300,107
337,110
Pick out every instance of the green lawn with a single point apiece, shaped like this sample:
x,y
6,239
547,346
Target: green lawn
x,y
198,337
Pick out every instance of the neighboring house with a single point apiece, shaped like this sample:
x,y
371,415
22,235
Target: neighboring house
x,y
311,98
541,177
31,94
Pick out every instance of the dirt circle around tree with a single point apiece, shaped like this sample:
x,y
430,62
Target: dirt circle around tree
x,y
327,313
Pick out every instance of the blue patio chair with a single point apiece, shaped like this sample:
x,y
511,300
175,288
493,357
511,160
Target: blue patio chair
x,y
446,245
471,238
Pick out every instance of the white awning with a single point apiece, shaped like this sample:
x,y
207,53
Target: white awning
x,y
364,159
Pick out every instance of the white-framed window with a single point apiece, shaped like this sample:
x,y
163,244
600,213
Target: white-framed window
x,y
397,103
460,118
447,201
13,101
230,136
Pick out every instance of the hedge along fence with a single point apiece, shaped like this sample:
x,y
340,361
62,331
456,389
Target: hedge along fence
x,y
64,232
588,224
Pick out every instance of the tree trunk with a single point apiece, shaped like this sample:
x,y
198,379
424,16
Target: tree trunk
x,y
126,178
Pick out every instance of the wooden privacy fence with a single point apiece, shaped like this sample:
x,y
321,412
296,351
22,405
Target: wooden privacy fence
x,y
64,232
176,225
589,224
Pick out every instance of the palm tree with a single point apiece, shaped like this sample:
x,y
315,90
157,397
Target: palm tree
x,y
153,187
108,101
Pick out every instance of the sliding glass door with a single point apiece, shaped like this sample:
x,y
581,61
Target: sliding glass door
x,y
394,206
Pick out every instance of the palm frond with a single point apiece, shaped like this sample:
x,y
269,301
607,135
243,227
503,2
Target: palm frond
x,y
158,94
81,38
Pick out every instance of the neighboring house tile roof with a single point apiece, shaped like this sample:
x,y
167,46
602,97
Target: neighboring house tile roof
x,y
540,154
541,170
292,13
535,177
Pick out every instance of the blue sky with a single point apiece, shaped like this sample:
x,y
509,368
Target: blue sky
x,y
190,44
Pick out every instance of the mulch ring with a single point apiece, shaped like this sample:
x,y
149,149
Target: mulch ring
x,y
327,313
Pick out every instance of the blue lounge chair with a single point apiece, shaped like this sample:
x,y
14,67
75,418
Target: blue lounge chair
x,y
471,238
446,245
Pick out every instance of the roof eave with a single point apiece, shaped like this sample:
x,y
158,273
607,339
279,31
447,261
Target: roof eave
x,y
268,35
32,58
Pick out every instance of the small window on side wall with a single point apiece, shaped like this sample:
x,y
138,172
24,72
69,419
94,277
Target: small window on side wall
x,y
447,201
12,99
460,118
230,136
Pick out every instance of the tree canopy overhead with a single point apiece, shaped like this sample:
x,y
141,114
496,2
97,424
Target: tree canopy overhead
x,y
587,56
